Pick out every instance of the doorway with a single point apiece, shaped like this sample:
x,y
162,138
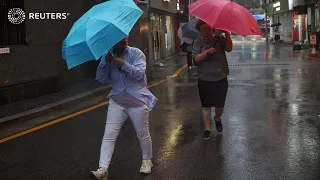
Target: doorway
x,y
156,34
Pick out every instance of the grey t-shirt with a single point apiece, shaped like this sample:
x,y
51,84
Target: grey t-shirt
x,y
213,67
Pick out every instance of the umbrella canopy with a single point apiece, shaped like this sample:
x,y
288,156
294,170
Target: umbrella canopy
x,y
225,15
184,39
98,30
189,29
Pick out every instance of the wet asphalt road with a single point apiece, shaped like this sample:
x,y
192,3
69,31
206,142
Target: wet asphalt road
x,y
271,129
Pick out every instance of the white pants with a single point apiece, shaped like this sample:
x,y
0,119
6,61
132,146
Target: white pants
x,y
116,117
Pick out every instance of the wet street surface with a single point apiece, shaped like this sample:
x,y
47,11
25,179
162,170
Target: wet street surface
x,y
271,129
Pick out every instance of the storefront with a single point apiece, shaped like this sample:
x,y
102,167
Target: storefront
x,y
316,22
317,16
305,19
162,29
162,36
299,20
281,12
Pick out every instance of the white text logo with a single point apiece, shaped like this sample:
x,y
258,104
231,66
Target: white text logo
x,y
47,15
17,15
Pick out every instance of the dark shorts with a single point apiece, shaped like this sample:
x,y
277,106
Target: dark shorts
x,y
213,93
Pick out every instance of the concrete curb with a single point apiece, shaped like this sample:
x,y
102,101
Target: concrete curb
x,y
54,104
304,52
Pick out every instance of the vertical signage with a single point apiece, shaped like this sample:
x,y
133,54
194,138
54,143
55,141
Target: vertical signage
x,y
290,3
178,5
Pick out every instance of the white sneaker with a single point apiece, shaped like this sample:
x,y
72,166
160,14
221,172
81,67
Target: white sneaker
x,y
100,174
146,166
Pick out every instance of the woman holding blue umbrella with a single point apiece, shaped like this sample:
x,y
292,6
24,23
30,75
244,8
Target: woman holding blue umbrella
x,y
124,67
106,26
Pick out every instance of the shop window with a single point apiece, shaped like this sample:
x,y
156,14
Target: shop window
x,y
169,35
157,36
317,20
11,34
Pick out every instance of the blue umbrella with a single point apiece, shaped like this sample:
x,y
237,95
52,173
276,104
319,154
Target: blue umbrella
x,y
98,30
189,29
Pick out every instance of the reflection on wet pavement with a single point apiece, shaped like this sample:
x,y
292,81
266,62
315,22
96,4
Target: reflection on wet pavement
x,y
271,119
271,129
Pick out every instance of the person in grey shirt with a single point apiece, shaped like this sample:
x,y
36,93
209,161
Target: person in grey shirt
x,y
209,54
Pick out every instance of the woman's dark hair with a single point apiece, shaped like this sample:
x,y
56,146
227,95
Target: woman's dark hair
x,y
199,23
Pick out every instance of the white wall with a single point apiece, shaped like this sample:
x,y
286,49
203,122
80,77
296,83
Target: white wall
x,y
285,19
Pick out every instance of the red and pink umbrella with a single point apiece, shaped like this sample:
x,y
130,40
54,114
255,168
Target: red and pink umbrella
x,y
225,15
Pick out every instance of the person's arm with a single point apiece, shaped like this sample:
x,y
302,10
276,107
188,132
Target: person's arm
x,y
229,44
196,52
200,57
138,68
103,70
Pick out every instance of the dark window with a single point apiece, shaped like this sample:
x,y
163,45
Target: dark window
x,y
11,34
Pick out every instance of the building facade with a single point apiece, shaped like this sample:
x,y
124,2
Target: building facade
x,y
249,4
162,26
306,19
280,11
31,62
30,53
299,18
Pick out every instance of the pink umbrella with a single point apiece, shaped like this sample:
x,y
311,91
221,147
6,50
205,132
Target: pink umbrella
x,y
225,15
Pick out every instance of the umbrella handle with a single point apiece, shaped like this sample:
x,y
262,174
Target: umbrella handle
x,y
111,53
215,43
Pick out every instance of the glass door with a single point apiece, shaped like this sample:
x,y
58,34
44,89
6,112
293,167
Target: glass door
x,y
156,36
168,36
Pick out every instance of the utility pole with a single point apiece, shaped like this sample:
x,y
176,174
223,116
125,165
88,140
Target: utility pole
x,y
266,20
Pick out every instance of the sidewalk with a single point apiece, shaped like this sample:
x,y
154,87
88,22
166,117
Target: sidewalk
x,y
86,89
29,106
289,47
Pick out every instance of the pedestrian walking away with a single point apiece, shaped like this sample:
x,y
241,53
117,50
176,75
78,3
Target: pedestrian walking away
x,y
124,67
209,54
189,56
188,49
